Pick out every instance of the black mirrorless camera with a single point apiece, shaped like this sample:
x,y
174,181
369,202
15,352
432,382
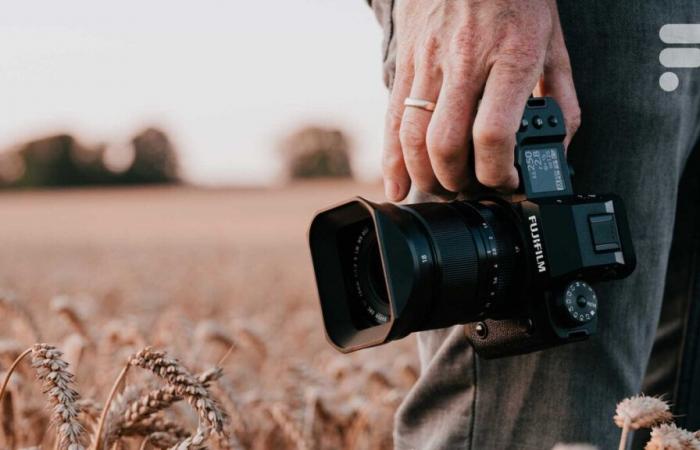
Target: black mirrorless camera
x,y
517,274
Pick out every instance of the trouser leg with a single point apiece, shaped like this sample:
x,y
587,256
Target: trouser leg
x,y
674,366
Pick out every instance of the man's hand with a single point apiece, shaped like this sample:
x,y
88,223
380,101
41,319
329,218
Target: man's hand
x,y
455,53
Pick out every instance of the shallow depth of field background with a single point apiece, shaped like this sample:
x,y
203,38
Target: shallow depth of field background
x,y
216,255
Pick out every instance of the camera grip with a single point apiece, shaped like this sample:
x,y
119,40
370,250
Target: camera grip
x,y
506,337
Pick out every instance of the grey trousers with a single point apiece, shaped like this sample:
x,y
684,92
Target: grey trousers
x,y
641,142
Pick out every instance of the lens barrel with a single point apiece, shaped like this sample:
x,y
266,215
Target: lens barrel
x,y
440,264
475,257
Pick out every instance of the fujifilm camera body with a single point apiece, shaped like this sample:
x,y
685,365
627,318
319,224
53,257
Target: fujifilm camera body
x,y
517,274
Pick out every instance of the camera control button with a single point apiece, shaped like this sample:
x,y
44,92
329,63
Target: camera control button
x,y
578,303
524,124
553,121
537,122
604,232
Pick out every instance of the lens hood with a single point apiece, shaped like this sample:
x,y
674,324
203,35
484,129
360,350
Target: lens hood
x,y
407,267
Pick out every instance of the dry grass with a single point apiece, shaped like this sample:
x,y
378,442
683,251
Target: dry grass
x,y
195,274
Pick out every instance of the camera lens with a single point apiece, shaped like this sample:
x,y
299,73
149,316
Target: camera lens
x,y
370,277
384,271
475,245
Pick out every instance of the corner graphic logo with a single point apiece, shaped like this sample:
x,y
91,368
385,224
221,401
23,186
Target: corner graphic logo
x,y
678,57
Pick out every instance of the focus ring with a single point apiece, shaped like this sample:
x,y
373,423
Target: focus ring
x,y
457,258
505,259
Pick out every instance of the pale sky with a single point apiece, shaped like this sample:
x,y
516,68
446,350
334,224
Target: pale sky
x,y
226,79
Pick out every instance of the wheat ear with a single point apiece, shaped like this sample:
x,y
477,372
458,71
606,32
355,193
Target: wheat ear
x,y
670,437
137,418
162,427
148,405
640,412
58,385
185,384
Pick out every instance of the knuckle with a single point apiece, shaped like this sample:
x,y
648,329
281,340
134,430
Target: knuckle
x,y
392,162
462,65
393,118
518,57
558,65
492,178
463,40
573,119
428,50
453,181
491,136
445,149
464,54
410,135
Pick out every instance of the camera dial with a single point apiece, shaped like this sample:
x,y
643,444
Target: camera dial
x,y
578,304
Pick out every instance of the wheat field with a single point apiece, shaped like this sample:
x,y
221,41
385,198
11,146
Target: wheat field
x,y
206,297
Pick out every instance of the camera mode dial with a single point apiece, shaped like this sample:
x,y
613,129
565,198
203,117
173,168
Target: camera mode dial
x,y
577,304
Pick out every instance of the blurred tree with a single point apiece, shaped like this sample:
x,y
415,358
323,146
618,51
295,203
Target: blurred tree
x,y
155,159
315,152
60,160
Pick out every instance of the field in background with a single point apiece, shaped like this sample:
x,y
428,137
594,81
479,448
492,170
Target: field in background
x,y
189,270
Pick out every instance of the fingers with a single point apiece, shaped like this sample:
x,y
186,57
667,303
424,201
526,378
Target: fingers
x,y
497,120
396,180
412,134
449,131
558,82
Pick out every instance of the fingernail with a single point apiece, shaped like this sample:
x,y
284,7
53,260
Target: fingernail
x,y
391,189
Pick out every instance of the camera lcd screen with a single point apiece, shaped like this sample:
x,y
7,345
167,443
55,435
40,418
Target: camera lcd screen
x,y
544,170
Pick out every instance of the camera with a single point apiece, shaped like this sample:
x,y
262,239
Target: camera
x,y
516,274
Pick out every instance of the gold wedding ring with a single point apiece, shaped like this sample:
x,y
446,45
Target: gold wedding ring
x,y
419,103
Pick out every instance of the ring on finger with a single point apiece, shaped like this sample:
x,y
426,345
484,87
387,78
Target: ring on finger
x,y
419,103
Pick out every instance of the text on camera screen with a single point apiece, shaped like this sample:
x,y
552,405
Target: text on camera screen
x,y
544,170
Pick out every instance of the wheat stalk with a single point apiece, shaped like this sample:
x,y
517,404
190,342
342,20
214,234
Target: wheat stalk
x,y
10,370
8,420
107,407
